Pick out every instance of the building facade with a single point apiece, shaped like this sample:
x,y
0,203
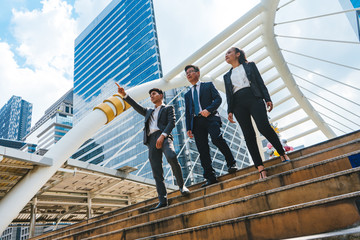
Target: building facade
x,y
15,119
56,122
354,17
121,46
22,232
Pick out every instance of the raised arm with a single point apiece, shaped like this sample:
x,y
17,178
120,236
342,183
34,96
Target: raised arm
x,y
131,101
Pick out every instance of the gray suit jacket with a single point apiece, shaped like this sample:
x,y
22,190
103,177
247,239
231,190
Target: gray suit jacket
x,y
166,118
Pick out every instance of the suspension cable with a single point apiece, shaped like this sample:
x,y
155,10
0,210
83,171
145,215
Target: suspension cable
x,y
337,121
318,39
177,95
345,84
192,168
138,172
336,128
284,5
319,59
330,110
357,104
329,101
318,16
217,150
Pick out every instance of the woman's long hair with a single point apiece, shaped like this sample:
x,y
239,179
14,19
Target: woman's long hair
x,y
242,58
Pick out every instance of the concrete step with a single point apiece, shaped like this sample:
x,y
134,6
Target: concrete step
x,y
313,189
330,143
242,177
344,234
320,155
227,191
318,216
296,170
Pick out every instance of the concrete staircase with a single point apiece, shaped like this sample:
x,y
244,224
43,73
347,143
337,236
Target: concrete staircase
x,y
317,191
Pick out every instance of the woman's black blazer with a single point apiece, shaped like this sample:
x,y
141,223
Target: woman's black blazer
x,y
256,84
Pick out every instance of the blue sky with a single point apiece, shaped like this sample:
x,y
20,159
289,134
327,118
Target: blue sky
x,y
37,40
36,45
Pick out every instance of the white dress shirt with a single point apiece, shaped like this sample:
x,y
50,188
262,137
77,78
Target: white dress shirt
x,y
197,85
239,78
153,127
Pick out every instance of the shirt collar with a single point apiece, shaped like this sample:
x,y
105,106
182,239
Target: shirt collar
x,y
159,106
238,67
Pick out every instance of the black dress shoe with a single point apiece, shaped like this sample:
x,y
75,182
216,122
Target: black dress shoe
x,y
233,169
160,205
209,182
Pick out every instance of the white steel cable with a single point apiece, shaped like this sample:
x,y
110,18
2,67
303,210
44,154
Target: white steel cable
x,y
330,110
318,16
318,39
345,84
329,101
338,95
319,59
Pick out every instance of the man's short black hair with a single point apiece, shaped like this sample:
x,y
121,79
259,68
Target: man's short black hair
x,y
196,68
158,90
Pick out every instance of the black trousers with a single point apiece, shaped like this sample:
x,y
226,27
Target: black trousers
x,y
155,158
201,130
245,106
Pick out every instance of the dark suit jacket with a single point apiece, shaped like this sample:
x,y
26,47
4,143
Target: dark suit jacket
x,y
166,118
210,100
256,84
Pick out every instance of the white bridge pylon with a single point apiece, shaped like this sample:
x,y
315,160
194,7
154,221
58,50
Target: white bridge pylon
x,y
254,31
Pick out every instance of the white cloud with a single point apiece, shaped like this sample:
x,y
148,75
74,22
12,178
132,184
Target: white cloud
x,y
45,40
40,87
46,36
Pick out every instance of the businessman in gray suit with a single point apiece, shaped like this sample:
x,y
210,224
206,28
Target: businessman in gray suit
x,y
159,122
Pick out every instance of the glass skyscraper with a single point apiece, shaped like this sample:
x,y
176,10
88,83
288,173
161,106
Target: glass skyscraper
x,y
354,17
15,119
121,46
51,127
356,4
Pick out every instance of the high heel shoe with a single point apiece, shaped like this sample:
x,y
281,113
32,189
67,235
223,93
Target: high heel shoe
x,y
263,173
285,158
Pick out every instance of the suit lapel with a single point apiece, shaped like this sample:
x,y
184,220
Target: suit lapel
x,y
160,111
227,78
189,96
201,92
247,70
149,114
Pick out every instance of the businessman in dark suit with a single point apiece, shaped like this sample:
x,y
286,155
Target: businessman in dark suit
x,y
202,119
159,122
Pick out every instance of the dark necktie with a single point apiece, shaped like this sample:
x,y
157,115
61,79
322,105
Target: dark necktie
x,y
196,102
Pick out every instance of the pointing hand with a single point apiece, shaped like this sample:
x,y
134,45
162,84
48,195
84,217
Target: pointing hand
x,y
121,90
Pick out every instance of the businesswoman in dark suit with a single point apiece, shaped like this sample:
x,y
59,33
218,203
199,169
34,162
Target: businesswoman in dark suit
x,y
246,96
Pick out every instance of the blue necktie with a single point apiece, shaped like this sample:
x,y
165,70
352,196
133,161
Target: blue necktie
x,y
196,102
